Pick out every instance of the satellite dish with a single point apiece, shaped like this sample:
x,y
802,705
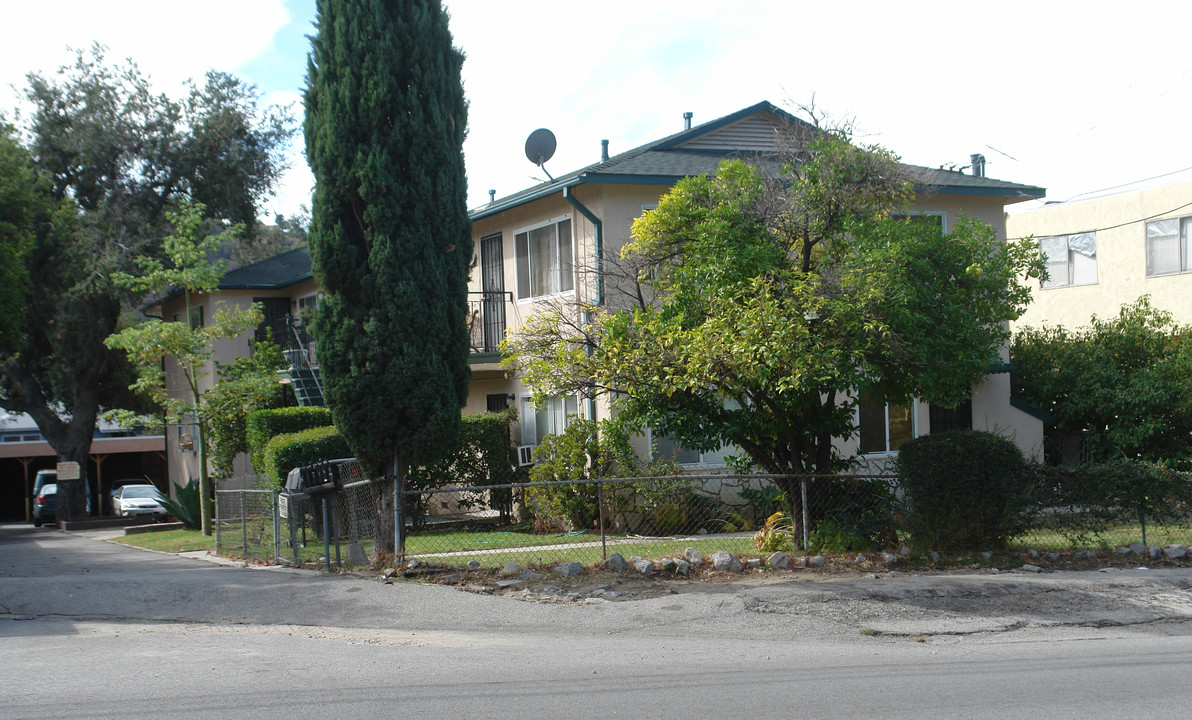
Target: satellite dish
x,y
540,147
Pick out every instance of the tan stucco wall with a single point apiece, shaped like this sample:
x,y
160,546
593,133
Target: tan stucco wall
x,y
1120,222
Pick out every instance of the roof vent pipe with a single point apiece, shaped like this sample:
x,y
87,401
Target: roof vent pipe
x,y
978,163
492,196
687,120
603,150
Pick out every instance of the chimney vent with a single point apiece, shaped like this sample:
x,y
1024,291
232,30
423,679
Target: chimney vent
x,y
603,150
978,162
687,120
492,196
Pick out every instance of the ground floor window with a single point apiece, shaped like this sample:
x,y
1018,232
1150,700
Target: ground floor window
x,y
550,418
884,426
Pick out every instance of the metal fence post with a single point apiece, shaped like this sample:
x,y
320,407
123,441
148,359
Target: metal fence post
x,y
218,544
603,536
806,532
326,537
243,524
276,527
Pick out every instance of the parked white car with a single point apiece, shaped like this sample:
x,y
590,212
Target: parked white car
x,y
135,500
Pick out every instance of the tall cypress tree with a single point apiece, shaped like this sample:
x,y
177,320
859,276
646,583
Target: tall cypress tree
x,y
390,237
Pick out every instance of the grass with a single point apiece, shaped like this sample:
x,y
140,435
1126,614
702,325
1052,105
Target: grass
x,y
1049,540
171,541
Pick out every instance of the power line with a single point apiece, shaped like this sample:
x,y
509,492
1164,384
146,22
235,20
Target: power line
x,y
1128,222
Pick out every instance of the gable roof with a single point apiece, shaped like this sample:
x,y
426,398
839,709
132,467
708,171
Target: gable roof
x,y
290,267
753,131
280,271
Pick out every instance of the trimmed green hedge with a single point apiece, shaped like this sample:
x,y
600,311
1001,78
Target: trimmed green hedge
x,y
263,425
290,450
964,490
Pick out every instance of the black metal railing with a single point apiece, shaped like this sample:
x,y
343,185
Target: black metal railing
x,y
486,319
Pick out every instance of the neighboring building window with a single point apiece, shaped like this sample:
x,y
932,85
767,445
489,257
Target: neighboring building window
x,y
884,426
544,262
669,446
551,418
1169,246
498,402
1071,259
922,218
196,316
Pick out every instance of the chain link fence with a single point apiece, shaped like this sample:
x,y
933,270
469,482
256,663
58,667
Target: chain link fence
x,y
751,516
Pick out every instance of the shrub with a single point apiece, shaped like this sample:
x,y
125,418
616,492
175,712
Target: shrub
x,y
964,490
483,456
185,505
290,450
1088,500
263,425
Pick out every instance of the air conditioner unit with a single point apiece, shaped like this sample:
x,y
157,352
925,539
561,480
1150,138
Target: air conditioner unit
x,y
525,454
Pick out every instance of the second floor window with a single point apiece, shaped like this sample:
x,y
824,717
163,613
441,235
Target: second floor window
x,y
1169,246
544,260
1071,259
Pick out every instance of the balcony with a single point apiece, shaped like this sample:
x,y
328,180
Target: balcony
x,y
486,324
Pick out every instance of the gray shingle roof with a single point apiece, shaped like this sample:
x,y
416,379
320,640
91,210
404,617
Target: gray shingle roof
x,y
665,161
273,273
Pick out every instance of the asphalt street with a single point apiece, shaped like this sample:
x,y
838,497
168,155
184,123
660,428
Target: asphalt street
x,y
90,629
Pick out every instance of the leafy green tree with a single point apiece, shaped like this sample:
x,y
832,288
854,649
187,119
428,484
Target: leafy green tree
x,y
390,237
763,308
150,343
118,155
1123,384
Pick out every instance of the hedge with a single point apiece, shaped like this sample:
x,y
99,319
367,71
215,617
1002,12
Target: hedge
x,y
290,450
263,425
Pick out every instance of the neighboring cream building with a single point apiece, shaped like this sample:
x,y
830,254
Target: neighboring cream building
x,y
546,242
1108,251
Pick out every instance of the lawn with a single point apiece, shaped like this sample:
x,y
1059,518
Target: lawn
x,y
171,541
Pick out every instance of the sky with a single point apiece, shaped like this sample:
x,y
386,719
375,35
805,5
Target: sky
x,y
1053,94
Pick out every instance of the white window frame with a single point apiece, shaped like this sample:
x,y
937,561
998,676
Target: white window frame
x,y
528,414
913,411
1183,242
562,271
943,216
1070,260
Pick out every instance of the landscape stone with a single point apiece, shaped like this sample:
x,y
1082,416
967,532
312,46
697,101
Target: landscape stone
x,y
1053,556
818,561
668,566
615,562
889,558
389,573
754,562
1089,554
723,560
987,554
508,583
905,550
473,564
569,568
692,556
1032,568
529,574
413,564
800,561
1175,553
643,566
511,568
1155,552
1123,550
935,557
1138,548
779,561
1033,553
861,558
682,567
